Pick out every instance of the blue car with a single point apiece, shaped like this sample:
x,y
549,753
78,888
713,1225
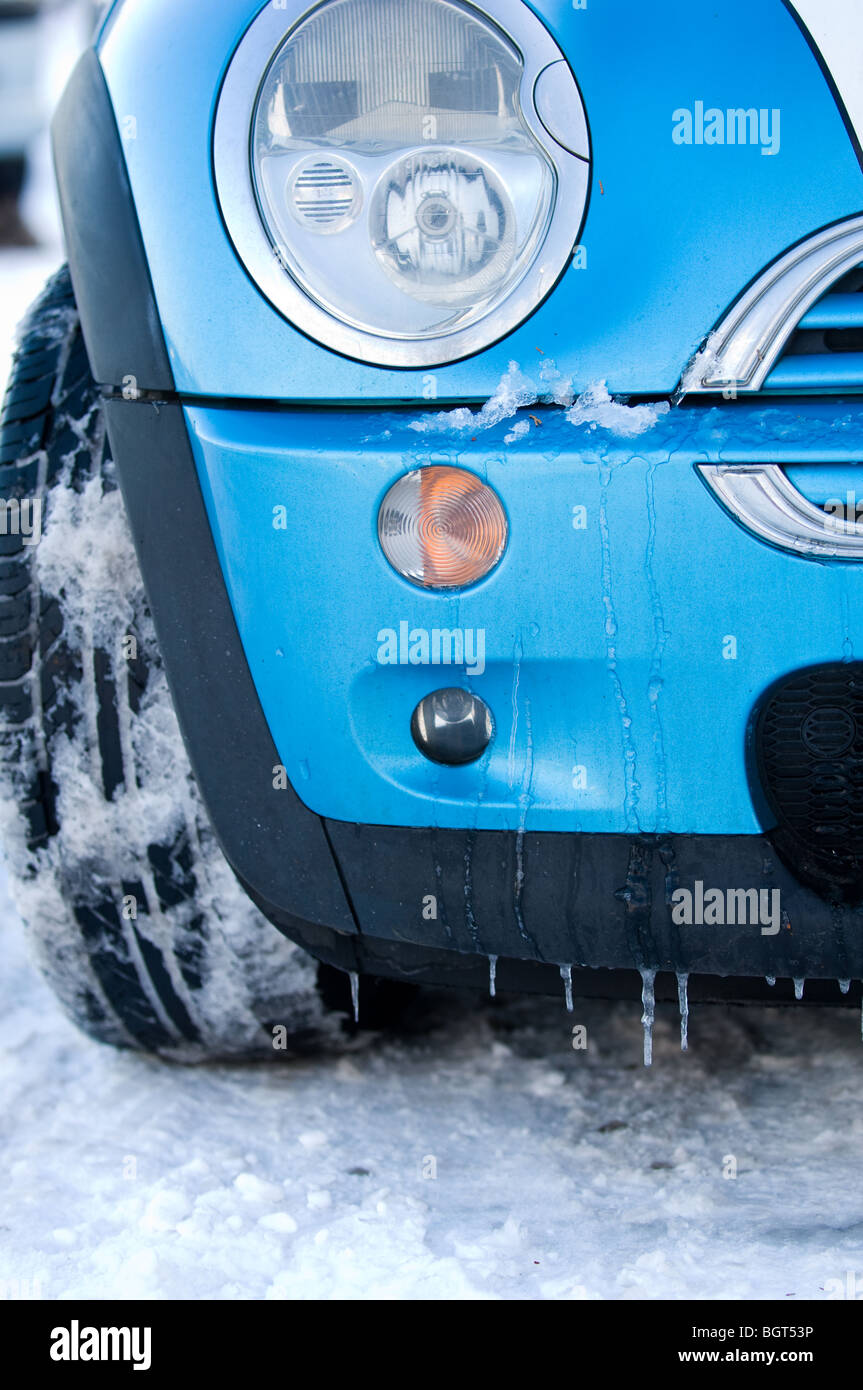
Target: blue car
x,y
433,515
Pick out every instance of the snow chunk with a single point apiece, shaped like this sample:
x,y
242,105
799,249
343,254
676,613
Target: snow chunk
x,y
313,1139
596,408
165,1211
256,1189
514,392
279,1221
704,364
518,431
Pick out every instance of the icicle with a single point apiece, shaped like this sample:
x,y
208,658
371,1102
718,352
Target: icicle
x,y
566,976
683,1001
355,994
492,975
844,986
648,1005
771,979
798,987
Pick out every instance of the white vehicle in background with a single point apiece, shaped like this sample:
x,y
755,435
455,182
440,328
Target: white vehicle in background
x,y
21,115
25,101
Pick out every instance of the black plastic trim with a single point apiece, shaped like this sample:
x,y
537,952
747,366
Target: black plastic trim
x,y
107,261
428,965
601,901
809,783
273,842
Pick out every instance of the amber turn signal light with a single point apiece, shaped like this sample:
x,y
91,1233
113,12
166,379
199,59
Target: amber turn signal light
x,y
442,527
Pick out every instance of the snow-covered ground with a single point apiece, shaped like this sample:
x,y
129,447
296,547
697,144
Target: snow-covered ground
x,y
478,1157
481,1159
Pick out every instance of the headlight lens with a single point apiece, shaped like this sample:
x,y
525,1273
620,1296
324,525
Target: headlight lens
x,y
399,170
439,193
443,229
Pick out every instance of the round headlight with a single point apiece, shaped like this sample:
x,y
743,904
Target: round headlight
x,y
389,176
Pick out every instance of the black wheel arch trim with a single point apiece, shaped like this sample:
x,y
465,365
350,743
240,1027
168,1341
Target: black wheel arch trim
x,y
107,261
270,838
273,842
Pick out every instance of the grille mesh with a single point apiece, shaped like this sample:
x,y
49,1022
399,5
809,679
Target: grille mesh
x,y
809,743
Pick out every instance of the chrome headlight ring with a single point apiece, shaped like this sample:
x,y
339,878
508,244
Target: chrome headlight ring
x,y
551,113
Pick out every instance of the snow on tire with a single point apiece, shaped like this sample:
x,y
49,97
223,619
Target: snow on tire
x,y
137,920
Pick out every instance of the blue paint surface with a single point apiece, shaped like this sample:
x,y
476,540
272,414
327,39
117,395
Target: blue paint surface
x,y
673,233
626,655
621,659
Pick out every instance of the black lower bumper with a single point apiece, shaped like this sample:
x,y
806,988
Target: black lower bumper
x,y
706,905
428,965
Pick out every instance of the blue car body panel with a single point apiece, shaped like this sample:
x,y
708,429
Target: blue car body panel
x,y
672,234
623,654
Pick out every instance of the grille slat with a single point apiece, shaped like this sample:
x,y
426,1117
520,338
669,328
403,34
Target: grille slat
x,y
825,351
835,311
827,371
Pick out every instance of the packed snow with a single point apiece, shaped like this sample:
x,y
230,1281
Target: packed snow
x,y
478,1155
493,1149
518,389
596,409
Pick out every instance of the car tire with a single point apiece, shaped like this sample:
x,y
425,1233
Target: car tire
x,y
137,920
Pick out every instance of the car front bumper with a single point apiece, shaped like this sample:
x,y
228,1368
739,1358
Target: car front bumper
x,y
433,900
